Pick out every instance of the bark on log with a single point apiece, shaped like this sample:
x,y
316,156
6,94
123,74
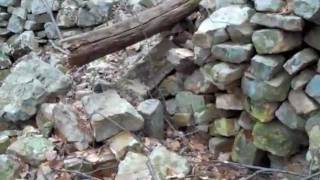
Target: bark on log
x,y
89,46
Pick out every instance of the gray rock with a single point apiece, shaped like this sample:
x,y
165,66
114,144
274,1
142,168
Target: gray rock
x,y
272,41
20,12
39,6
50,30
300,60
232,101
209,114
307,9
287,115
4,32
197,84
313,89
23,44
16,24
4,16
122,142
300,81
241,34
261,112
208,4
171,85
206,36
226,3
182,58
31,149
201,55
153,114
226,127
32,25
265,67
269,5
274,90
66,120
246,121
188,102
312,38
302,103
7,3
5,61
86,18
9,167
183,119
25,89
108,108
4,143
44,119
288,23
39,18
67,17
313,130
233,53
219,145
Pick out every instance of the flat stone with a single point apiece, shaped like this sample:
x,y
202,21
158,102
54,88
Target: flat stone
x,y
274,90
273,41
285,22
16,24
219,145
197,84
265,67
207,34
9,167
153,113
300,81
312,88
275,138
244,151
44,119
66,120
107,108
77,164
307,9
121,143
188,102
288,116
31,149
39,18
262,112
230,101
233,53
312,37
269,5
302,103
226,127
301,60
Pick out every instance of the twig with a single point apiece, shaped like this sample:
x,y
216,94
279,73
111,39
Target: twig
x,y
55,46
312,176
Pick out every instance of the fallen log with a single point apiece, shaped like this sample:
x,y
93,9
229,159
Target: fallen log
x,y
91,45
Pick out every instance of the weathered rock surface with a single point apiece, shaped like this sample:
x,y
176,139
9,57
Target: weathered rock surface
x,y
312,38
302,103
269,5
122,142
224,127
313,89
262,112
307,9
233,53
300,81
230,101
287,115
265,67
9,167
219,145
44,119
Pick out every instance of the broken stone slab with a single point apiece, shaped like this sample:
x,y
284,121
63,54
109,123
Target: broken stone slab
x,y
246,121
233,53
219,145
226,127
20,12
197,84
44,119
153,113
16,24
123,142
273,41
261,111
274,90
312,37
302,103
244,151
288,116
313,89
265,67
232,101
269,5
275,138
285,22
223,73
307,9
187,102
66,120
107,111
300,81
26,88
9,167
300,60
31,149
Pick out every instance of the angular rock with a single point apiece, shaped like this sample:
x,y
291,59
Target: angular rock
x,y
77,164
9,167
224,127
201,55
67,17
188,102
171,85
66,120
108,108
230,101
262,112
285,22
244,151
274,90
265,67
301,103
233,53
300,60
307,9
182,58
269,5
241,34
5,61
25,89
50,30
275,138
122,142
39,6
300,81
163,160
219,145
23,44
273,41
313,131
4,143
20,12
44,119
7,3
312,37
313,89
31,149
153,113
287,115
197,84
32,25
16,24
246,121
209,114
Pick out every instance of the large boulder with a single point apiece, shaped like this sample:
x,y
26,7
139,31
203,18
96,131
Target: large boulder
x,y
108,111
31,82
